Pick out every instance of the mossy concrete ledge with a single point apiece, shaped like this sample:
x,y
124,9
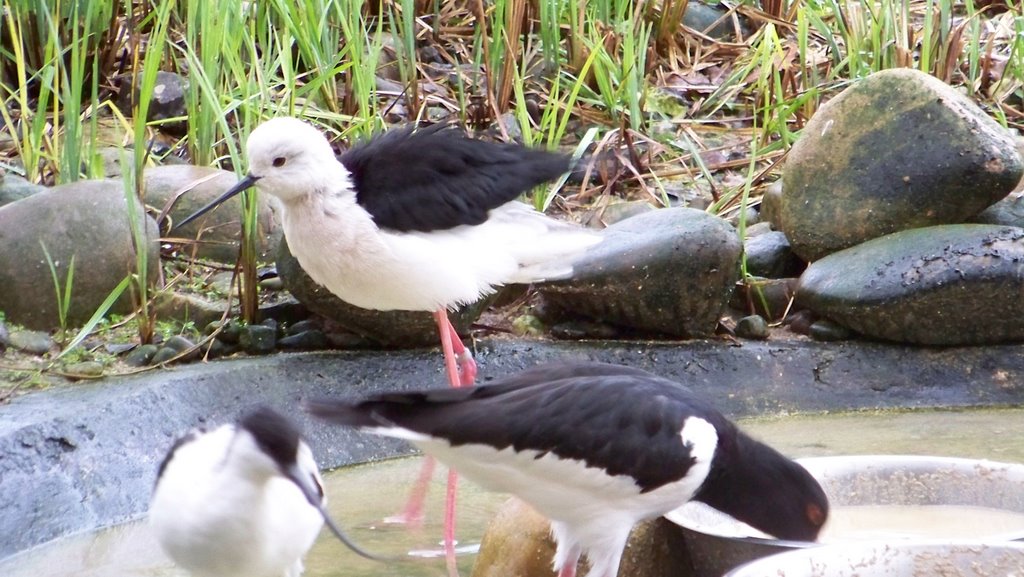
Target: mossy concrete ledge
x,y
84,456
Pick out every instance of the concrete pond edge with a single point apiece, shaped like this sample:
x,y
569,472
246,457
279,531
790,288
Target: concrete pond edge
x,y
84,456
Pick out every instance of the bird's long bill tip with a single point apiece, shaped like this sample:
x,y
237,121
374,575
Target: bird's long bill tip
x,y
348,542
246,182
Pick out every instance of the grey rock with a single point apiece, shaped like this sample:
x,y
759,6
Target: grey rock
x,y
941,285
32,342
5,337
752,327
14,188
87,220
181,344
258,339
168,99
388,328
229,334
311,340
708,19
669,271
186,188
771,205
1007,212
303,326
112,156
188,308
897,150
769,255
141,355
617,212
826,330
766,297
163,355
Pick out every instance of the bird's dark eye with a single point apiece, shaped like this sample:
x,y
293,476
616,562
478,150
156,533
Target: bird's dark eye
x,y
279,161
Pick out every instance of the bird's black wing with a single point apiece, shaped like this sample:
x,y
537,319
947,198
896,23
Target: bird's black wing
x,y
437,178
620,419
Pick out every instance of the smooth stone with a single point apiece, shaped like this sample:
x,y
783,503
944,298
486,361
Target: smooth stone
x,y
941,285
617,211
258,339
708,20
188,308
670,271
14,188
1006,212
826,330
194,187
771,205
32,342
752,327
767,297
518,542
163,355
87,369
800,321
230,332
5,337
311,340
302,326
387,328
899,149
769,255
86,220
181,344
167,100
141,356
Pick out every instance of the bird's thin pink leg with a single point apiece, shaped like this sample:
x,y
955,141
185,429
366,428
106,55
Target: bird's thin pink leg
x,y
449,523
412,515
464,358
448,339
445,329
568,571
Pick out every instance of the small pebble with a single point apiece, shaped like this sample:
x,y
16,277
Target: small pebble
x,y
258,339
272,323
32,342
800,321
311,340
141,356
752,327
272,284
229,334
826,330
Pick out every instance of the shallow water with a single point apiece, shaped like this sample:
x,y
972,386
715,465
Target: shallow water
x,y
362,496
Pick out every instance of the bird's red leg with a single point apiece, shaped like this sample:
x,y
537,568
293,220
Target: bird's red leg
x,y
464,358
448,339
412,515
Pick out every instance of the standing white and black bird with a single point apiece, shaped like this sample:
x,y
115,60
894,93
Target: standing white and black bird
x,y
596,448
243,500
416,220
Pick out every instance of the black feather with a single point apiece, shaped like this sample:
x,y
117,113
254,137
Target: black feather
x,y
437,178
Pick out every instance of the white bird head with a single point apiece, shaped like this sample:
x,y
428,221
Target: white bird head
x,y
289,159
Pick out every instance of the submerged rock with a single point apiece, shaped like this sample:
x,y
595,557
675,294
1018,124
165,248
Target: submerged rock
x,y
941,285
897,150
669,271
387,328
518,543
86,220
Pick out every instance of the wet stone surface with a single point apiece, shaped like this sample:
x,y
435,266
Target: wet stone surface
x,y
897,150
944,285
670,271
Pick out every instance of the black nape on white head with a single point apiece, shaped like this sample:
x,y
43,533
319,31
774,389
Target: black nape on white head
x,y
275,435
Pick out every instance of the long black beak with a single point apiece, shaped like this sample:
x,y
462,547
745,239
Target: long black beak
x,y
247,182
315,497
